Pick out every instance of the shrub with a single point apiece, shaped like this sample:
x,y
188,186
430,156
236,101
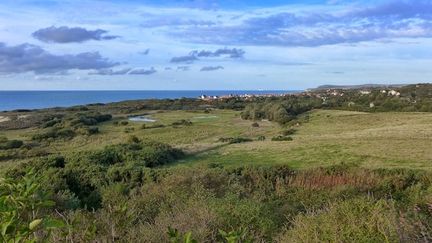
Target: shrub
x,y
182,123
54,133
128,130
232,140
88,130
124,123
11,144
90,119
133,139
288,132
255,124
24,206
92,130
51,123
261,138
281,138
65,133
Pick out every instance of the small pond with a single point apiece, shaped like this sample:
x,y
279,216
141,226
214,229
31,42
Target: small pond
x,y
141,119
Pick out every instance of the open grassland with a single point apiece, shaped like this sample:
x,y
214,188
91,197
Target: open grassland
x,y
329,137
373,140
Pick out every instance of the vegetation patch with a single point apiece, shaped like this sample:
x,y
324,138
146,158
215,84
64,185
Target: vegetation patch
x,y
10,144
282,138
232,140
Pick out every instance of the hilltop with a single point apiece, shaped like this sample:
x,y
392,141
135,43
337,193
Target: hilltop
x,y
359,86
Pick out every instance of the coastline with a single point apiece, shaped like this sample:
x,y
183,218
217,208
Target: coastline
x,y
32,100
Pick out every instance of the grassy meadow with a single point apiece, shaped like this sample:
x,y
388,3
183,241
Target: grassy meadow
x,y
326,138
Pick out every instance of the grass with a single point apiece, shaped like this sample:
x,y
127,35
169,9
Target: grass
x,y
372,140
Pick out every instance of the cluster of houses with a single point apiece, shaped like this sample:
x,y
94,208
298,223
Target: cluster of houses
x,y
388,92
340,92
241,96
323,94
391,92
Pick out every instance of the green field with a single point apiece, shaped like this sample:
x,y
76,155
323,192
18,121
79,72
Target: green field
x,y
329,137
372,140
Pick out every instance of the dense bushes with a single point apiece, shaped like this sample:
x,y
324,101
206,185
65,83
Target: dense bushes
x,y
182,123
89,119
10,144
25,209
84,174
282,138
281,110
54,133
266,204
67,127
232,140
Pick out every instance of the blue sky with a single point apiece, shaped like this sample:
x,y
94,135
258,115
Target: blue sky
x,y
210,44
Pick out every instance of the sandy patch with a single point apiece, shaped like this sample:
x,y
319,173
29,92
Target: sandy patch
x,y
23,116
4,119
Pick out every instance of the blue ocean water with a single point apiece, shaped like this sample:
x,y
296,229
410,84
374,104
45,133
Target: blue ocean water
x,y
12,100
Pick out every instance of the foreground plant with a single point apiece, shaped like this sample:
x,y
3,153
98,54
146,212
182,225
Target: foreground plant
x,y
235,236
23,210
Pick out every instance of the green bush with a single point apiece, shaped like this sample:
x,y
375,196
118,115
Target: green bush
x,y
282,138
51,123
89,119
133,139
25,206
289,132
232,140
128,129
11,144
182,123
55,133
92,130
88,130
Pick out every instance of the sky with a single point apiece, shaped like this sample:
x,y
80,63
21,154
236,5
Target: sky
x,y
212,45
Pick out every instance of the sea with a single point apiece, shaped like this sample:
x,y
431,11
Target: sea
x,y
14,100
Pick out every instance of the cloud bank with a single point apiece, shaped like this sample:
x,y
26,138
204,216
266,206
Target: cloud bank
x,y
184,59
196,55
143,71
396,19
66,34
231,53
31,58
211,68
111,72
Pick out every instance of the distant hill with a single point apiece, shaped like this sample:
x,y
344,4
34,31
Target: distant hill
x,y
361,86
